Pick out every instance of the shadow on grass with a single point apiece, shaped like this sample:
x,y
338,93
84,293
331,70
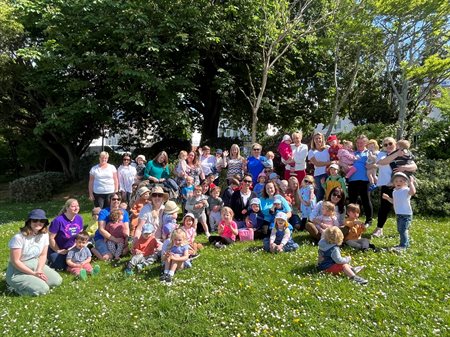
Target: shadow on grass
x,y
304,269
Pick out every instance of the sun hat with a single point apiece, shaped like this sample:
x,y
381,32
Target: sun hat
x,y
335,166
159,190
273,175
140,156
286,137
219,151
37,214
142,190
170,207
148,228
277,201
190,215
255,201
282,215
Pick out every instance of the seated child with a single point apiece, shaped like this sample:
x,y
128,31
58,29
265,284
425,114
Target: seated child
x,y
334,148
255,219
190,227
118,230
285,151
197,205
353,228
187,191
227,229
79,257
277,206
405,158
280,239
333,180
307,199
169,218
215,204
174,254
144,250
259,187
330,259
327,218
143,196
347,158
373,148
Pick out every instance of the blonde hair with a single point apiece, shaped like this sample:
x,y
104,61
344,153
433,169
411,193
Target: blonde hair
x,y
227,209
182,153
313,144
67,205
104,154
353,208
178,232
270,153
333,235
375,144
329,206
115,215
308,178
298,133
238,155
403,144
347,143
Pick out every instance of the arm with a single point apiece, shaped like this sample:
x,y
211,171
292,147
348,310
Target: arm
x,y
272,236
389,159
15,255
336,256
183,258
386,197
412,186
408,167
54,246
286,236
233,227
317,163
91,187
116,182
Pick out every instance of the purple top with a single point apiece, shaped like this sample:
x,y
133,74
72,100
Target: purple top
x,y
66,230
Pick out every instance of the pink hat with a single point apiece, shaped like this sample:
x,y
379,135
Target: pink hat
x,y
286,137
331,138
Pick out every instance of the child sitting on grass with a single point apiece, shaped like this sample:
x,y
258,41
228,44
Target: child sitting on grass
x,y
197,205
353,228
190,227
117,229
174,254
330,259
227,229
169,218
280,239
143,251
79,258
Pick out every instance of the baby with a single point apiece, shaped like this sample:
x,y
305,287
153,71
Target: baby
x,y
405,157
346,158
286,153
374,149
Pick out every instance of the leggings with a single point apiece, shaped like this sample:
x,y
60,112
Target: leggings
x,y
385,206
361,188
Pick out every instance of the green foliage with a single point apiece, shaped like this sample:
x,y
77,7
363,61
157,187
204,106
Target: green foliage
x,y
38,187
376,131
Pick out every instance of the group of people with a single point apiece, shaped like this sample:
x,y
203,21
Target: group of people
x,y
133,213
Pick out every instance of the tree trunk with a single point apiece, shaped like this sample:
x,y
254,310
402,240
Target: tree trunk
x,y
211,119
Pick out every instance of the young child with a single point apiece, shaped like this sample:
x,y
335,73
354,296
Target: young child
x,y
140,167
94,226
353,228
330,259
327,218
197,205
401,198
259,187
333,180
334,148
405,158
210,180
175,254
143,251
280,239
79,257
181,167
255,219
277,206
116,228
215,205
268,163
373,148
187,191
347,158
169,218
123,205
285,151
141,201
134,194
307,199
227,229
190,227
228,192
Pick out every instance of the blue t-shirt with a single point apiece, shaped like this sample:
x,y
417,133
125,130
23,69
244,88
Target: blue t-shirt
x,y
360,165
104,216
266,205
186,190
255,167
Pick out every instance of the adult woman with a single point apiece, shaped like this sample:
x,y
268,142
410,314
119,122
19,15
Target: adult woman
x,y
27,273
194,168
240,201
318,155
385,157
255,162
292,193
152,213
157,170
126,175
337,197
235,163
270,192
207,161
63,230
299,153
358,183
101,235
103,181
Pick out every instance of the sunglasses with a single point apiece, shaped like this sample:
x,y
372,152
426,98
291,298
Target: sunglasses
x,y
126,159
159,195
337,195
247,181
115,199
308,182
388,144
94,214
256,149
38,220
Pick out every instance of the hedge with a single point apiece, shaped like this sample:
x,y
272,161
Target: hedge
x,y
41,186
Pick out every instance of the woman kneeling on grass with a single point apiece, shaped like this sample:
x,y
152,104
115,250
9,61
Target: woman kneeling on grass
x,y
27,273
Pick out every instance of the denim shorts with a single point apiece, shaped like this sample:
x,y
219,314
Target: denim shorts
x,y
101,246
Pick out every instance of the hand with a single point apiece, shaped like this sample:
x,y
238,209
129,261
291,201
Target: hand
x,y
91,197
322,180
385,196
412,180
216,208
62,251
41,275
244,211
225,153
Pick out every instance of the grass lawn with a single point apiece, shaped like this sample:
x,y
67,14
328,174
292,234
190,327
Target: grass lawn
x,y
243,291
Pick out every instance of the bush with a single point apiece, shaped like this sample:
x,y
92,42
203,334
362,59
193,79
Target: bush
x,y
433,187
37,187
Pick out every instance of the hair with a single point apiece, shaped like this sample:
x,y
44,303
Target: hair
x,y
190,178
27,230
185,217
298,133
329,206
234,181
270,153
198,188
182,153
333,235
67,205
195,161
166,158
104,154
362,136
375,144
347,143
95,210
216,188
227,210
176,232
82,236
403,144
115,215
313,144
296,202
126,155
264,192
308,178
353,208
341,203
235,146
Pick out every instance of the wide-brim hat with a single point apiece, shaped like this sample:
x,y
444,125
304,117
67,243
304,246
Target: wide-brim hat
x,y
255,201
37,214
170,207
142,190
140,156
283,216
159,190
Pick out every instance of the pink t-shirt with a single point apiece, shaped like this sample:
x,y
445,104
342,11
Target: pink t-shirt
x,y
227,232
190,234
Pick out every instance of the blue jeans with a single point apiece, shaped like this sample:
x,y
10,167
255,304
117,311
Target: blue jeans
x,y
403,224
55,260
295,221
318,190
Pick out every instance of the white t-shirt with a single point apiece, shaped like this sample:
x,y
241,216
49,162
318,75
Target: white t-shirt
x,y
126,175
322,156
384,171
402,201
299,153
208,164
146,215
31,245
103,179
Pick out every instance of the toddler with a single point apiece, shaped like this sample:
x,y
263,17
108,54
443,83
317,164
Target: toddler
x,y
374,149
401,198
169,218
404,158
187,191
123,205
197,205
259,187
94,226
268,163
174,254
190,227
79,257
330,259
346,158
334,148
117,229
227,229
210,181
333,180
228,192
353,228
143,251
255,219
141,201
280,239
285,151
181,167
215,205
327,218
140,168
307,199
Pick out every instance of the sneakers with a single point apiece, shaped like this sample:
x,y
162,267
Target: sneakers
x,y
83,274
128,272
193,256
357,269
139,267
359,280
372,187
207,235
219,245
378,232
165,278
367,224
398,249
96,270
